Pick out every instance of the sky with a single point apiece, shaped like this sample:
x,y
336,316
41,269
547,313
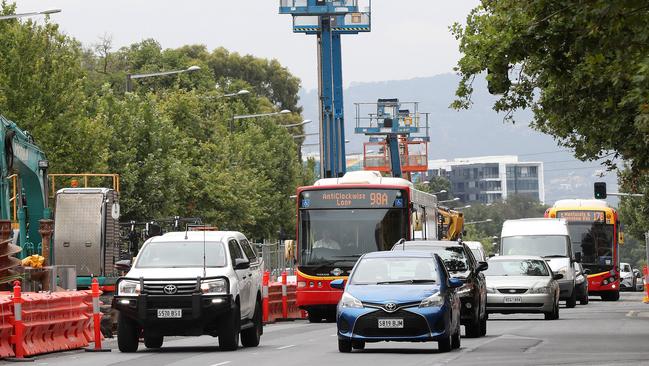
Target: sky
x,y
409,38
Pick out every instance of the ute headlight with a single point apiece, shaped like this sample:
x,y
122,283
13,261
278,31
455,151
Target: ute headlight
x,y
432,300
349,301
214,287
540,290
128,288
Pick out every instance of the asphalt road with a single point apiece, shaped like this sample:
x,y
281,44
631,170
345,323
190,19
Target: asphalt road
x,y
601,333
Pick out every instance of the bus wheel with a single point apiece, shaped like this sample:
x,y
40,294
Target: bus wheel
x,y
314,317
611,296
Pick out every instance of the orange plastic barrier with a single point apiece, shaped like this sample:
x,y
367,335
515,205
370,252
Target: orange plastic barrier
x,y
6,328
282,302
645,271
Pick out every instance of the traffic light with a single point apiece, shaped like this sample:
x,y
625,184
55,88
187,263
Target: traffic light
x,y
600,190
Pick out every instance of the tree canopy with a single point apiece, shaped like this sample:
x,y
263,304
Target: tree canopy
x,y
171,140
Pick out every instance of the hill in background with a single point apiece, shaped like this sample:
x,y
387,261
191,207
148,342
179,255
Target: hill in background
x,y
478,131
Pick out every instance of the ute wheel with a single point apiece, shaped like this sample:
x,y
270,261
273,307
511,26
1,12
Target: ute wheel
x,y
251,336
153,341
344,346
127,334
584,299
358,344
314,317
572,301
229,335
483,326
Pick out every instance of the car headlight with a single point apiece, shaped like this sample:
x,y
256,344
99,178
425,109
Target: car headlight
x,y
432,300
349,301
128,288
465,289
540,290
491,290
214,287
563,271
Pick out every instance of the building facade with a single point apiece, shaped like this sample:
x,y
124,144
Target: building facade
x,y
490,178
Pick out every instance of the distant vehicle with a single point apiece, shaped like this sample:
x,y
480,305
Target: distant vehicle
x,y
639,282
628,278
462,265
477,249
581,284
547,238
522,284
190,284
595,235
403,296
340,219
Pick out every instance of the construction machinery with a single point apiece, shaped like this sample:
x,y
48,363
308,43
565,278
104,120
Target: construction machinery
x,y
23,195
328,20
451,223
398,135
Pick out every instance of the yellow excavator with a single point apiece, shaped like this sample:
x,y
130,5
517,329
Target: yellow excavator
x,y
451,223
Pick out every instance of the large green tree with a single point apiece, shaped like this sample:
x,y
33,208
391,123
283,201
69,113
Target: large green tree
x,y
581,66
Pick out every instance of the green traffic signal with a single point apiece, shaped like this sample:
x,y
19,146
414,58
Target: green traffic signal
x,y
600,190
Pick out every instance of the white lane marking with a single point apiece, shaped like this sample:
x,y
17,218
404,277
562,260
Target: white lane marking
x,y
283,347
221,363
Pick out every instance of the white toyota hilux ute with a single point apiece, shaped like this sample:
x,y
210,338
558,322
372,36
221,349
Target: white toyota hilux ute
x,y
190,284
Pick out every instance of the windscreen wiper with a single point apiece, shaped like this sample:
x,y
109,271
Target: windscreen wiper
x,y
405,281
555,256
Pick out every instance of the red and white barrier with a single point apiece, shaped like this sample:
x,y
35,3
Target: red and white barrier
x,y
96,319
280,301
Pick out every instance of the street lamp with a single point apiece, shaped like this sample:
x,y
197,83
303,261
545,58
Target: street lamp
x,y
237,94
305,135
129,77
463,207
478,222
451,200
22,15
247,116
440,192
298,124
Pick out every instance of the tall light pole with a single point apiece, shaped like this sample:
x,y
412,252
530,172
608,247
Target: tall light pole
x,y
451,200
298,124
31,14
249,116
130,77
237,94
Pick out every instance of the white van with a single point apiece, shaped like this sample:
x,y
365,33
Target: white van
x,y
547,238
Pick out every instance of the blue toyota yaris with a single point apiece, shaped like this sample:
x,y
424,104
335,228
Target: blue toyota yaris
x,y
404,296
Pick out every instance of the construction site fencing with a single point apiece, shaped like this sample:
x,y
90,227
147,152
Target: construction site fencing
x,y
280,300
277,258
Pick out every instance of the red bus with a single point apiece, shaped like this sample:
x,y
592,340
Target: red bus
x,y
595,234
340,219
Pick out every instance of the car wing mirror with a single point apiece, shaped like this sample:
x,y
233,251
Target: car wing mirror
x,y
338,284
455,282
123,265
240,263
557,276
482,266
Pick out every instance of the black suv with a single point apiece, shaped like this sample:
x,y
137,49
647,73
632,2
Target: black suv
x,y
460,263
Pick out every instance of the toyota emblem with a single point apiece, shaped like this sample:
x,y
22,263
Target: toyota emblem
x,y
390,307
170,289
337,272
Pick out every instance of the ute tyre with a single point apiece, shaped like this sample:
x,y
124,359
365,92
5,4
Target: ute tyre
x,y
456,340
483,326
358,344
127,335
572,301
229,335
153,341
584,300
251,336
344,346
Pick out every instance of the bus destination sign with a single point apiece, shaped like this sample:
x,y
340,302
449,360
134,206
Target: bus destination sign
x,y
353,198
582,216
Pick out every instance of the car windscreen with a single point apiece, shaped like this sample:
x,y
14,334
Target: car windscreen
x,y
407,270
182,254
535,245
525,267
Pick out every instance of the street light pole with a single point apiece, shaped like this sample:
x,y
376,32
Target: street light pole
x,y
31,14
298,124
247,116
130,77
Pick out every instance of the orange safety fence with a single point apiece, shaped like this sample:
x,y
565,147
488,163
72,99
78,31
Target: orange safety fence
x,y
282,301
6,329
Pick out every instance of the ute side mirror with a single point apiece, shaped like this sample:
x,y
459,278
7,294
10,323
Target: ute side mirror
x,y
338,284
587,271
240,263
557,276
455,282
482,266
123,265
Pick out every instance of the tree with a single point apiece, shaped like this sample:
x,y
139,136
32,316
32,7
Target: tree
x,y
581,66
437,184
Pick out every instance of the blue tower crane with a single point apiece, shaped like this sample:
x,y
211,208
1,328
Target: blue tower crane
x,y
328,20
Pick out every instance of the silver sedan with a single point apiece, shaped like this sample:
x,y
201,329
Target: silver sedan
x,y
522,284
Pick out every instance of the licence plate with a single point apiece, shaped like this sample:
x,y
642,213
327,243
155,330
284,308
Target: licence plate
x,y
513,299
170,313
390,323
